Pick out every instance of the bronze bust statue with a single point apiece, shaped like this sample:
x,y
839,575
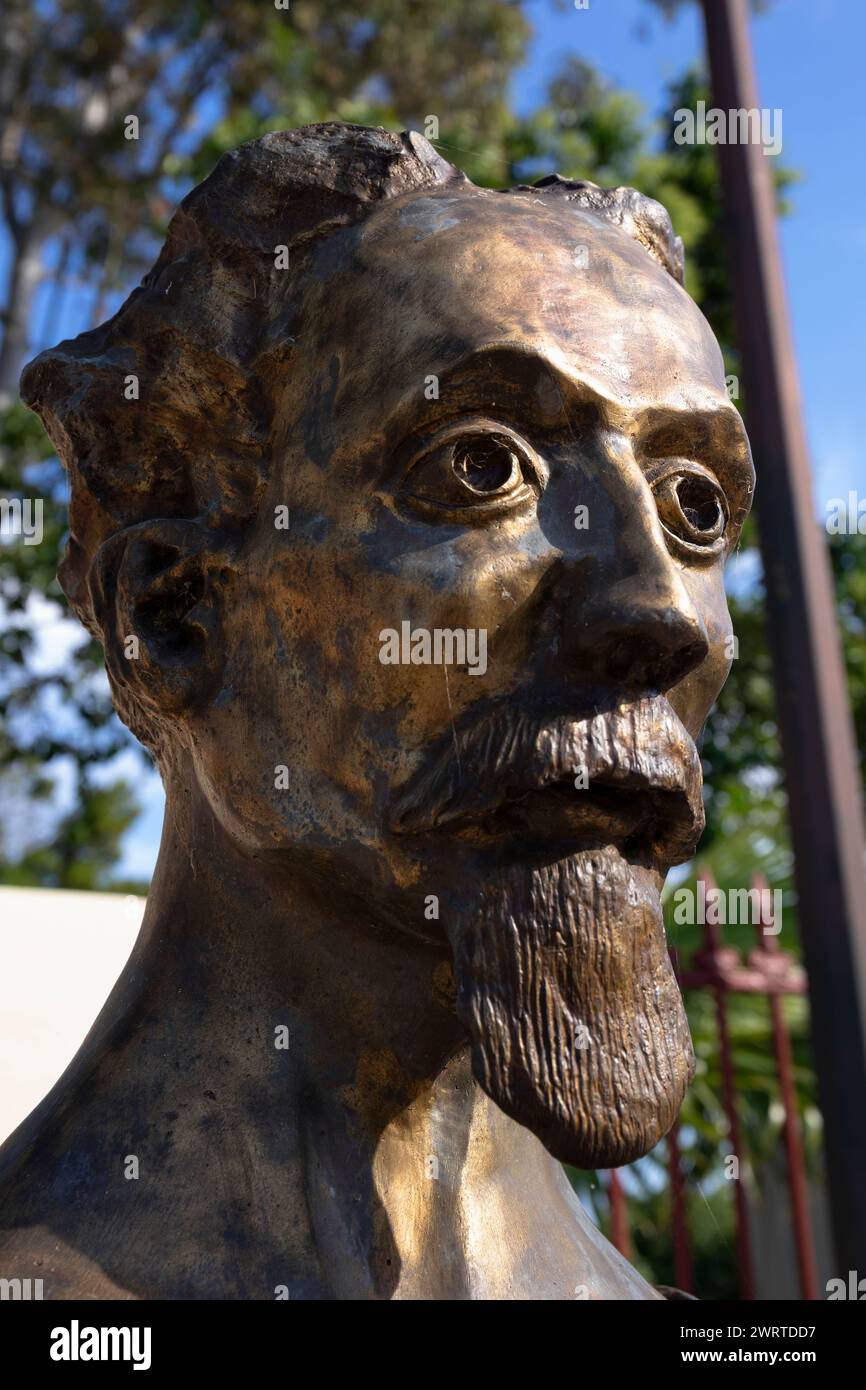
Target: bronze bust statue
x,y
400,508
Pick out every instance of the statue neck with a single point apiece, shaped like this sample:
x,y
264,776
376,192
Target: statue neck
x,y
296,1087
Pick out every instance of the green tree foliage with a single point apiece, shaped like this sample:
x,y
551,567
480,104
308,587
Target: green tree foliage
x,y
84,847
83,203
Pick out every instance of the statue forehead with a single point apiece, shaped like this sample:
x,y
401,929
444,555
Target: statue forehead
x,y
427,279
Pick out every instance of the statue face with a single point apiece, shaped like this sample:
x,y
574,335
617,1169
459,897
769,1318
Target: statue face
x,y
467,679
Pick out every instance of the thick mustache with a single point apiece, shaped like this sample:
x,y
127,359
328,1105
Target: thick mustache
x,y
639,747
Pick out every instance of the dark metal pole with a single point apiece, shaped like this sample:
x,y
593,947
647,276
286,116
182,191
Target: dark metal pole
x,y
826,812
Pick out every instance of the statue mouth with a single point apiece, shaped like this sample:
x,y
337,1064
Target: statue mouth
x,y
629,776
638,818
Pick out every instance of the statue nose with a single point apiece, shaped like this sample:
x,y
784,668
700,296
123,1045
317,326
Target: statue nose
x,y
639,632
625,614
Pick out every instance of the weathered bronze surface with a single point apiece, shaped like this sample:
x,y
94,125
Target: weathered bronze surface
x,y
427,737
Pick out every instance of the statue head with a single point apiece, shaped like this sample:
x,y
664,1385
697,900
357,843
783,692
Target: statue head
x,y
401,509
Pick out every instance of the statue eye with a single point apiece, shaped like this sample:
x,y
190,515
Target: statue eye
x,y
482,471
487,464
692,507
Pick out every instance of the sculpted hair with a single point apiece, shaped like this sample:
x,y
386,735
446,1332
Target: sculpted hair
x,y
208,336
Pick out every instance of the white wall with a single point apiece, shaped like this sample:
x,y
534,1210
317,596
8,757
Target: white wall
x,y
60,954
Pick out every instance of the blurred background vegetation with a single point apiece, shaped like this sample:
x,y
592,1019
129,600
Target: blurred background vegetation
x,y
84,211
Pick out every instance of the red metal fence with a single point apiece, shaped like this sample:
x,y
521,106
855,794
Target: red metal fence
x,y
721,969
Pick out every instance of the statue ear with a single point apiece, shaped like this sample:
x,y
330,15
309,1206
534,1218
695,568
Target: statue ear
x,y
154,588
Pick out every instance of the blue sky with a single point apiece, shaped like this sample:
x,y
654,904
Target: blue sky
x,y
810,64
810,59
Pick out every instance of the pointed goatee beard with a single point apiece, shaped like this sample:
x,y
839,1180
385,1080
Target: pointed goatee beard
x,y
577,1024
